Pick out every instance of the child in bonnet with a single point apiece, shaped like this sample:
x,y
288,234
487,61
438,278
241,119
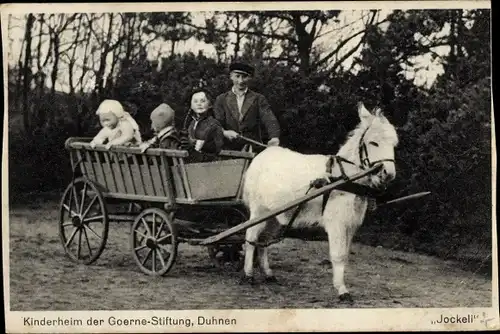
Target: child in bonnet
x,y
118,127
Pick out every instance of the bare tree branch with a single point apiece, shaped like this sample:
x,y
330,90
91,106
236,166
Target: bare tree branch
x,y
344,42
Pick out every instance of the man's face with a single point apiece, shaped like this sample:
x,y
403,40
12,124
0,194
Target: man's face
x,y
240,80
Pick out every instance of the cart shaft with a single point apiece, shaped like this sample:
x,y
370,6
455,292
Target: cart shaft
x,y
308,197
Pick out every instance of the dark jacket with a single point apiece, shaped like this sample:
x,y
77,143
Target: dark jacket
x,y
168,140
255,113
206,127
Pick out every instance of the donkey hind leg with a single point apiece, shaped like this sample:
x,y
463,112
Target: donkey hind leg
x,y
339,240
264,265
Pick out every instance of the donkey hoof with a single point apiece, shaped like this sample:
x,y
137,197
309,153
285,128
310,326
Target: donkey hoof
x,y
271,279
244,280
346,298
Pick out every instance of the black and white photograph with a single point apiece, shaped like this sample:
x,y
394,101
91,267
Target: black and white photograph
x,y
267,166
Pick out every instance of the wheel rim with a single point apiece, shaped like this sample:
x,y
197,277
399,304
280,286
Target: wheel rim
x,y
154,241
83,222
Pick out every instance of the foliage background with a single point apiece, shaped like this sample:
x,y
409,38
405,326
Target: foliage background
x,y
444,130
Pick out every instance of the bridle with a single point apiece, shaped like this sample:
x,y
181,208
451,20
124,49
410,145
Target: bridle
x,y
363,153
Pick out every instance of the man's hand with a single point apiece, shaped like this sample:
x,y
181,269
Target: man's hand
x,y
230,134
93,144
108,145
273,142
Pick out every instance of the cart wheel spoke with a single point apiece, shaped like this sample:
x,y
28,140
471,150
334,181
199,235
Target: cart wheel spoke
x,y
141,234
75,198
147,226
84,214
71,237
87,239
78,207
159,230
79,243
154,260
71,212
94,232
84,193
162,239
94,219
153,230
147,256
140,247
161,259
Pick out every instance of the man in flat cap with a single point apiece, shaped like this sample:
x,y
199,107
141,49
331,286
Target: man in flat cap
x,y
242,111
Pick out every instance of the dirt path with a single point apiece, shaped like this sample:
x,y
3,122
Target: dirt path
x,y
42,278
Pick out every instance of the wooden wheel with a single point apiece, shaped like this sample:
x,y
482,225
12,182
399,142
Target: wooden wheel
x,y
229,256
153,240
83,221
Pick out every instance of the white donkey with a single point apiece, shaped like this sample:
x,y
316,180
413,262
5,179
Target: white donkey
x,y
278,176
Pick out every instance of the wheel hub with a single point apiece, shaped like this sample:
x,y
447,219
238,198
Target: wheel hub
x,y
151,243
77,221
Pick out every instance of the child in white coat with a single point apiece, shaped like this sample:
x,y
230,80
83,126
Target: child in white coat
x,y
118,126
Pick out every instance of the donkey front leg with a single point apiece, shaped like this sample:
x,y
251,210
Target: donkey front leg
x,y
251,237
339,240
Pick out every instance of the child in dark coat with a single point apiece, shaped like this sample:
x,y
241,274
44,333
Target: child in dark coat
x,y
205,134
162,123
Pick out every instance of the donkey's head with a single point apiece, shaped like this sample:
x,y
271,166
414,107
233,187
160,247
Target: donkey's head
x,y
377,142
373,141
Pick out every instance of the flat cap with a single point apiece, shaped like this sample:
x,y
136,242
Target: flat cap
x,y
241,67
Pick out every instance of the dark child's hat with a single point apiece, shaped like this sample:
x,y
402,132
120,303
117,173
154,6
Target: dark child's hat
x,y
241,67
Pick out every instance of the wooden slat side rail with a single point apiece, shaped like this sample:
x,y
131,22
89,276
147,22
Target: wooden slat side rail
x,y
84,142
137,171
110,175
128,170
150,183
185,181
180,191
101,179
286,207
131,150
91,164
168,179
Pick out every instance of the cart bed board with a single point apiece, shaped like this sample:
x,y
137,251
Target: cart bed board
x,y
168,200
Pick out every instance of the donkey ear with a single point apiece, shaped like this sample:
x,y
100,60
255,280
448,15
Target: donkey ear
x,y
364,114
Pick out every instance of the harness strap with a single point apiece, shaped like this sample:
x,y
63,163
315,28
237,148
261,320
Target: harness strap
x,y
330,163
